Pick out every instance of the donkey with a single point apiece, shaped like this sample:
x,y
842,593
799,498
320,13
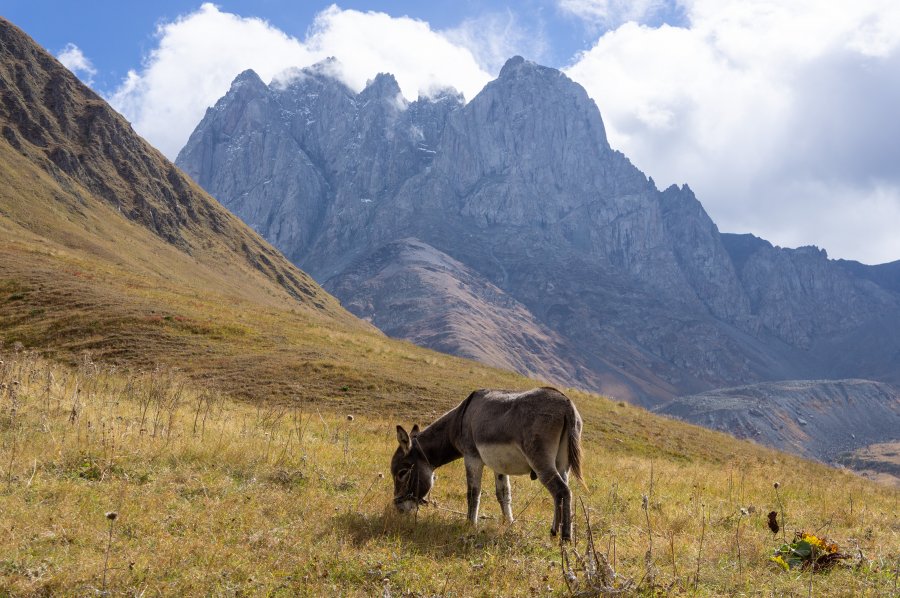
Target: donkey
x,y
513,433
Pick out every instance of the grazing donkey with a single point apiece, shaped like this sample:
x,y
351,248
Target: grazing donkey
x,y
513,433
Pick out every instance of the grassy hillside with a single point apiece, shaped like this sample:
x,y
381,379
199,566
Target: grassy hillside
x,y
223,498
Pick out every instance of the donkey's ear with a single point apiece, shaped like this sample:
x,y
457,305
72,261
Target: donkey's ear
x,y
403,438
415,431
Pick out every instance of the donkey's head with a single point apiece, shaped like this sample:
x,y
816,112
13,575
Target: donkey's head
x,y
413,474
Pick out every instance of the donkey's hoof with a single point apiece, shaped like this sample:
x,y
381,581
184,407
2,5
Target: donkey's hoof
x,y
552,532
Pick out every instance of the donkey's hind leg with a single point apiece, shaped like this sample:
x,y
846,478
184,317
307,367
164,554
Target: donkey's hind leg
x,y
562,503
504,496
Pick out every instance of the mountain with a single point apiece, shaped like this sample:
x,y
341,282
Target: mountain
x,y
629,290
410,290
111,256
842,317
819,419
108,252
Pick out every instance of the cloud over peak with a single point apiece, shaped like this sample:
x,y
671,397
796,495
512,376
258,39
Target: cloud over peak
x,y
781,115
199,54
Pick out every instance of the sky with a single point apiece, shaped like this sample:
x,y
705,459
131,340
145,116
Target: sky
x,y
781,115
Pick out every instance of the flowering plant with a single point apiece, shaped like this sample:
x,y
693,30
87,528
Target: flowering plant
x,y
807,550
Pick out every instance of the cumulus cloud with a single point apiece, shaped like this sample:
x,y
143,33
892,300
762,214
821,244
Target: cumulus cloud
x,y
192,66
74,59
199,54
781,116
421,59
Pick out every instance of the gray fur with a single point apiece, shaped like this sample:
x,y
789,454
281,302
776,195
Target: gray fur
x,y
535,432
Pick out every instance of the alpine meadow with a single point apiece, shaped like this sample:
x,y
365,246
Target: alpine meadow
x,y
185,411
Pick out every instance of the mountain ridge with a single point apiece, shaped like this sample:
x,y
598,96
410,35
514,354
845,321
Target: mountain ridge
x,y
521,186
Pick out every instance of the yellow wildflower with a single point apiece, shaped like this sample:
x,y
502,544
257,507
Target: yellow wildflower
x,y
780,561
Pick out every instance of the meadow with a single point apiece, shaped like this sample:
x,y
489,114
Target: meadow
x,y
183,412
118,482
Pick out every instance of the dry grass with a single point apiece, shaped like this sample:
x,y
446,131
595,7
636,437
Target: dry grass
x,y
224,498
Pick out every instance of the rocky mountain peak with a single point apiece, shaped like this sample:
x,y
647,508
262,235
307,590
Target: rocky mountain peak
x,y
444,95
323,74
511,65
247,85
247,77
520,68
528,92
384,86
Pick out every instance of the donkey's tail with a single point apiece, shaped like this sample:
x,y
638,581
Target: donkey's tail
x,y
573,431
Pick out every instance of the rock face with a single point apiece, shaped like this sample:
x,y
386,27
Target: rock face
x,y
411,290
618,287
816,419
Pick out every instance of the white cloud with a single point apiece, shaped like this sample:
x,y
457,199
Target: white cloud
x,y
865,223
419,58
497,36
199,54
780,115
197,57
609,13
74,59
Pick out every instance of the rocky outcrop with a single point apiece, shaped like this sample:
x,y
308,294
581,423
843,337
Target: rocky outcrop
x,y
637,290
819,419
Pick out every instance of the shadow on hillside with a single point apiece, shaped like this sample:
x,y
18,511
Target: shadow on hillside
x,y
427,532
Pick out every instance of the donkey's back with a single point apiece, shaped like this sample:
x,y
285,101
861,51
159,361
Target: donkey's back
x,y
537,431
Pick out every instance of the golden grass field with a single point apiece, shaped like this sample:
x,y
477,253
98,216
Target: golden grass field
x,y
217,497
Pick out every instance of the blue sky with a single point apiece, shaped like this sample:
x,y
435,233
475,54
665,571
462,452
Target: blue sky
x,y
780,115
116,35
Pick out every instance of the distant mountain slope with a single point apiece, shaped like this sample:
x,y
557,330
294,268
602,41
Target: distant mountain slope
x,y
843,317
818,419
410,290
884,275
522,188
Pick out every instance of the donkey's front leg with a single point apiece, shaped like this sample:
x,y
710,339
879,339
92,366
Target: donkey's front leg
x,y
504,496
474,470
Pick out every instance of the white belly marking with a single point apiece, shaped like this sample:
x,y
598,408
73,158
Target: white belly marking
x,y
504,458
